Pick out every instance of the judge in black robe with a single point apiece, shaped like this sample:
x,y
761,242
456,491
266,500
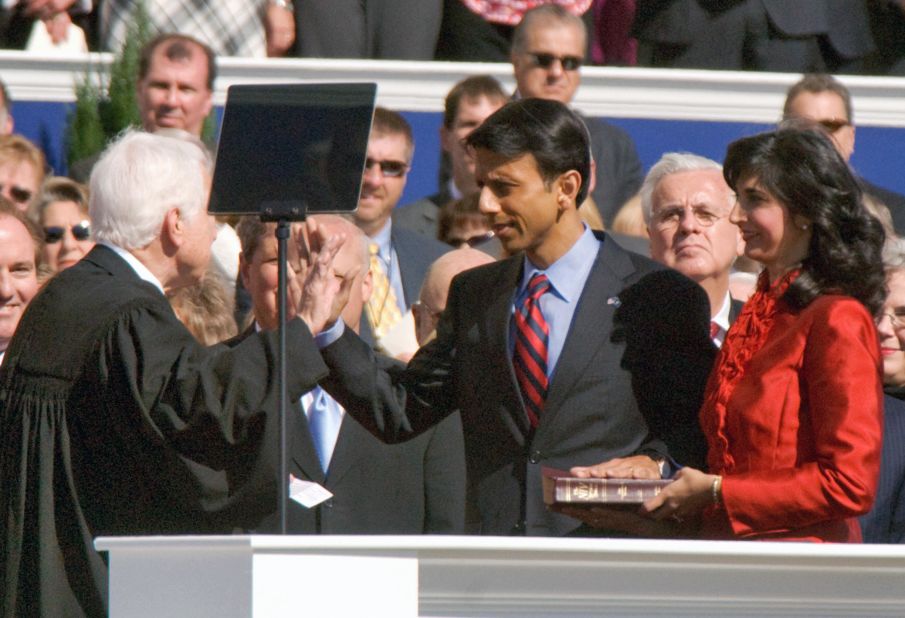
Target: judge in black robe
x,y
114,421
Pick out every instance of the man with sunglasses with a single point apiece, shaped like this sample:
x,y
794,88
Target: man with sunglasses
x,y
686,204
548,49
399,257
822,99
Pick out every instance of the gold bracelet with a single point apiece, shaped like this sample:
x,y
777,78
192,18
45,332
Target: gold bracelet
x,y
716,491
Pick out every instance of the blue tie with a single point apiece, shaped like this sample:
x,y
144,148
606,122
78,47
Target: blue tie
x,y
324,419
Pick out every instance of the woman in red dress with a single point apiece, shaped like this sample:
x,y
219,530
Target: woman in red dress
x,y
793,408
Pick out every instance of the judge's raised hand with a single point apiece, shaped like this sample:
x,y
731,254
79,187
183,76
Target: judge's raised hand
x,y
634,467
323,295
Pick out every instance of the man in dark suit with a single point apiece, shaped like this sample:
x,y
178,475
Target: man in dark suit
x,y
686,204
467,105
824,100
411,488
548,48
400,257
621,373
113,419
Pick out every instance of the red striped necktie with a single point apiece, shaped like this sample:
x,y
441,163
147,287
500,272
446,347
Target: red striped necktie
x,y
530,358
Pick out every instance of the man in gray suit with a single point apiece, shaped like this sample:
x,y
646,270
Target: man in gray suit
x,y
617,375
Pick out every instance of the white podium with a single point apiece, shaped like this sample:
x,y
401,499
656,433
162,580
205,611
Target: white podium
x,y
399,577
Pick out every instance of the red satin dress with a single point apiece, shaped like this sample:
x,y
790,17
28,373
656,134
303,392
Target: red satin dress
x,y
793,419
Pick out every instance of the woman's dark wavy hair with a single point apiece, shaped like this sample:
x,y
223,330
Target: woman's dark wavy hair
x,y
802,169
549,130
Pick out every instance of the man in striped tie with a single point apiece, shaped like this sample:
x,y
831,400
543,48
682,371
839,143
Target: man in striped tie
x,y
572,352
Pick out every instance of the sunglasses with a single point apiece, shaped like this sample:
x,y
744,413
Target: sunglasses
x,y
18,194
390,169
54,233
545,61
472,241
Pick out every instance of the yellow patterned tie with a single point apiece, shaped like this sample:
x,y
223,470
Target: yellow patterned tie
x,y
383,311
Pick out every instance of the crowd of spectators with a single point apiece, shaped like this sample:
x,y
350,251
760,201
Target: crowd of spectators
x,y
549,304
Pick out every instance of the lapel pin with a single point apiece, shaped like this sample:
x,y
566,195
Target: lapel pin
x,y
614,301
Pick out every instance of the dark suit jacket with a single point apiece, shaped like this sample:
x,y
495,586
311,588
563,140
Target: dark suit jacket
x,y
115,421
894,202
415,253
411,488
886,521
619,170
630,378
422,216
735,308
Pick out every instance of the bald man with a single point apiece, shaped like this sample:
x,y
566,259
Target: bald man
x,y
432,299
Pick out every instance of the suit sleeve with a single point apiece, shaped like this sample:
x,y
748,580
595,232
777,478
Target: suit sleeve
x,y
395,403
841,390
444,478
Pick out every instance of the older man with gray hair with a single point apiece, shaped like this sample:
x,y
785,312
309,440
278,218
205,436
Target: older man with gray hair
x,y
686,205
113,419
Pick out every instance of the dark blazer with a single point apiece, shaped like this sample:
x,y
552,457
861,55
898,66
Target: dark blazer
x,y
735,308
422,216
414,487
115,421
629,380
415,253
885,523
619,171
894,202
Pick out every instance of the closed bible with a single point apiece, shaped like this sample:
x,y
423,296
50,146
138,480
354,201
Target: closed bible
x,y
561,488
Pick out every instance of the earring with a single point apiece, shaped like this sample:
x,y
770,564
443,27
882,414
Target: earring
x,y
803,226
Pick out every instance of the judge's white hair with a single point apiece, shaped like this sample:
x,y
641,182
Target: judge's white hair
x,y
138,179
674,163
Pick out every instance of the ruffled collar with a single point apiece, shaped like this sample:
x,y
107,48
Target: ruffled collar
x,y
744,339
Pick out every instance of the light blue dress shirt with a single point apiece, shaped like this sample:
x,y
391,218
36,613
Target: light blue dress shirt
x,y
567,277
390,260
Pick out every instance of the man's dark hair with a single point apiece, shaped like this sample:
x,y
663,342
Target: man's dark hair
x,y
548,130
815,83
474,87
178,47
388,122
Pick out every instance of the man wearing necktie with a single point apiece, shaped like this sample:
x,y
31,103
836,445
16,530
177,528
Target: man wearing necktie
x,y
412,488
686,204
572,352
399,257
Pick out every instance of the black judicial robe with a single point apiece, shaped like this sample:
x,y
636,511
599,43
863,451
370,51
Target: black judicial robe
x,y
115,421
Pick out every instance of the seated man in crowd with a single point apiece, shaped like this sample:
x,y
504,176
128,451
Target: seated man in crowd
x,y
824,100
548,48
21,250
564,354
399,257
113,419
412,488
686,205
467,105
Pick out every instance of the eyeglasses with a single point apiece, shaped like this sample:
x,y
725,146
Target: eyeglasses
x,y
669,218
55,233
18,194
896,318
545,61
472,241
390,169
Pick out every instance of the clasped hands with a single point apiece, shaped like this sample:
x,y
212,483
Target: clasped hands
x,y
675,512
